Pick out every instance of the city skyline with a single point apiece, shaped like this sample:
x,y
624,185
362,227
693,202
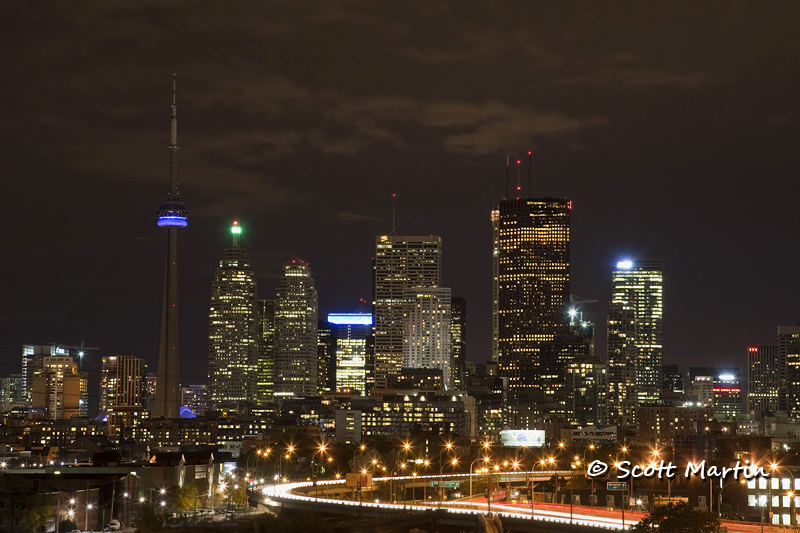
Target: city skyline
x,y
630,135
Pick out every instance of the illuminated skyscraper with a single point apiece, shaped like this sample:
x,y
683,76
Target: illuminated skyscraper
x,y
351,331
763,378
788,361
635,338
458,335
171,216
531,284
123,394
232,333
123,382
401,262
427,339
296,365
326,357
622,390
266,351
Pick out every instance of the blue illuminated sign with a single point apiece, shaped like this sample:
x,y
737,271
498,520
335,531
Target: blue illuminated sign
x,y
625,265
363,319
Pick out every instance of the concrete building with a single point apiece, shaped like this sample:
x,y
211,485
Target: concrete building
x,y
401,262
427,318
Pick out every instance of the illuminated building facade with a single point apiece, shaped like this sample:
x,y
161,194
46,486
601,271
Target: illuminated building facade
x,y
32,362
635,335
266,351
326,358
123,381
789,348
351,331
458,336
763,378
401,262
58,390
586,389
531,284
195,397
622,389
718,387
658,425
232,333
123,395
296,356
673,379
426,313
12,393
399,415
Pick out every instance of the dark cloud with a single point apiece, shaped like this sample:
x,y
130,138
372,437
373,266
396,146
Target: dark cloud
x,y
668,124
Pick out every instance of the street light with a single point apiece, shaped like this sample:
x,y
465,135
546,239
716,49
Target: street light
x,y
485,460
721,490
441,488
362,448
448,446
792,518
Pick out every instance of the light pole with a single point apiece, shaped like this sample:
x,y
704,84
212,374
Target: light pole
x,y
571,483
426,463
485,460
721,490
441,488
314,473
792,518
448,446
86,522
362,447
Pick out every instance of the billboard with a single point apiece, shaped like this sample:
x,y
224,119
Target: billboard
x,y
359,480
522,437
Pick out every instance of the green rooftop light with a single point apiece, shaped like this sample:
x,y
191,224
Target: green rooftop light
x,y
236,229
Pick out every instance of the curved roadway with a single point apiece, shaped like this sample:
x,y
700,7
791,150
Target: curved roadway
x,y
598,517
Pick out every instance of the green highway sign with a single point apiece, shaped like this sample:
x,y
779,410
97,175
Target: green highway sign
x,y
446,484
615,485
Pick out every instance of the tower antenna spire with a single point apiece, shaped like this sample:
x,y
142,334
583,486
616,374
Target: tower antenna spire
x,y
174,192
530,193
506,176
394,212
519,187
171,216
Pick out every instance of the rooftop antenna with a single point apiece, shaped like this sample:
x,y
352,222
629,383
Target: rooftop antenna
x,y
506,176
519,188
236,230
394,212
530,193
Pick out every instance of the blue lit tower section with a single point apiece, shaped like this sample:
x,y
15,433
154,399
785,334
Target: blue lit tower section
x,y
171,216
351,331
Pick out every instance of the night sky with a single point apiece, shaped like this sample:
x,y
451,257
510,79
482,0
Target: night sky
x,y
671,126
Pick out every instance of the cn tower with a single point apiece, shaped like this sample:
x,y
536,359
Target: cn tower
x,y
171,216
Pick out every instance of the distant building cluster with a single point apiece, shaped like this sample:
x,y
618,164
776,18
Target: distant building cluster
x,y
400,363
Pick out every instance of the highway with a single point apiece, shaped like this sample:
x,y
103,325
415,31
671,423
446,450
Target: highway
x,y
600,518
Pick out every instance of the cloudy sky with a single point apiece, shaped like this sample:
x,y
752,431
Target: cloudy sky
x,y
671,126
